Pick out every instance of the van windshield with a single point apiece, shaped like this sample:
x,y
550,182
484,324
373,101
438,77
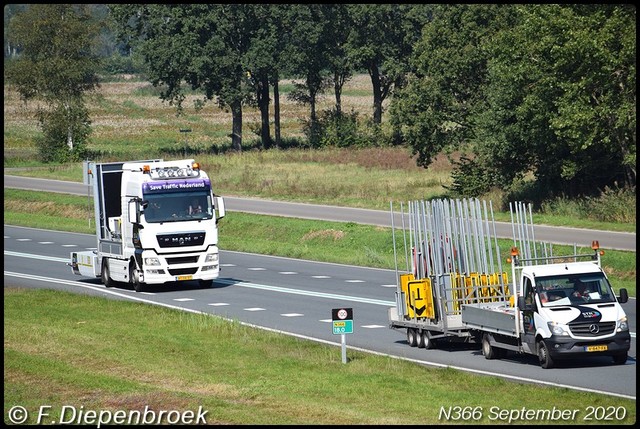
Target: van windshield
x,y
177,206
574,289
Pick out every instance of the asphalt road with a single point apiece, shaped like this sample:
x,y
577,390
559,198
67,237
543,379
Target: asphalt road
x,y
296,297
543,233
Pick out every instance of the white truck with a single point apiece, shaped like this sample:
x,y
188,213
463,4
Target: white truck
x,y
555,307
156,222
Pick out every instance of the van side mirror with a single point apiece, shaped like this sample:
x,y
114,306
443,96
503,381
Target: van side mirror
x,y
624,296
521,304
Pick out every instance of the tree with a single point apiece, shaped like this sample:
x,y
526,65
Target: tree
x,y
201,45
435,110
57,65
381,41
561,99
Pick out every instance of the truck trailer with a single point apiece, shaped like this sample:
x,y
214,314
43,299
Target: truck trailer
x,y
553,306
156,222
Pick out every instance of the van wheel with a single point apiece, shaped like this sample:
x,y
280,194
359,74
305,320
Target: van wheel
x,y
428,342
620,359
545,359
412,337
104,274
488,350
133,278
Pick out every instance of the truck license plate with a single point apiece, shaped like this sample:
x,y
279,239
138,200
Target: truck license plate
x,y
596,348
184,278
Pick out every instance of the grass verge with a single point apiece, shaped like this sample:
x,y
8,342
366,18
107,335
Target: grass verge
x,y
107,355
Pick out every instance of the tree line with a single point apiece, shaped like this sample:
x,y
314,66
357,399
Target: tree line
x,y
522,91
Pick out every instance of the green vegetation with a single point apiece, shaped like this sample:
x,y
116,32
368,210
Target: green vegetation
x,y
71,352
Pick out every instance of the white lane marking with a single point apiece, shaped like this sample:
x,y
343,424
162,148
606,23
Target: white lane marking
x,y
321,277
305,337
388,285
288,272
326,320
372,326
183,299
227,265
45,242
69,245
291,314
254,309
256,269
354,281
23,239
218,304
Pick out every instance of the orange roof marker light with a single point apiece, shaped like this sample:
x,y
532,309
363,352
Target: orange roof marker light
x,y
595,245
195,166
146,169
514,254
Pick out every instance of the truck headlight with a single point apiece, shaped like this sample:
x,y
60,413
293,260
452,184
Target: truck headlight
x,y
211,257
151,261
557,328
623,325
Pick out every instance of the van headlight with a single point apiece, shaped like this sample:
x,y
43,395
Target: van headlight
x,y
558,329
623,325
211,257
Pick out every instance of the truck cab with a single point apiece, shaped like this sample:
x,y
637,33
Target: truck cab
x,y
156,222
568,310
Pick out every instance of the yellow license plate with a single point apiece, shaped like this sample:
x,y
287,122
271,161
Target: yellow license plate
x,y
596,348
184,278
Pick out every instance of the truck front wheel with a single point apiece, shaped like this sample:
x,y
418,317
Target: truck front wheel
x,y
545,359
104,274
133,278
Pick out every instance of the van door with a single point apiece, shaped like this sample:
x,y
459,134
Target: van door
x,y
529,326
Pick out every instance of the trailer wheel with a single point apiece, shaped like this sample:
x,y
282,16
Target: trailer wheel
x,y
488,350
620,359
420,338
133,278
412,337
104,274
545,359
427,341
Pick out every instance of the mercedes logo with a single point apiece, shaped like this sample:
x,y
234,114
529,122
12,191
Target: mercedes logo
x,y
594,329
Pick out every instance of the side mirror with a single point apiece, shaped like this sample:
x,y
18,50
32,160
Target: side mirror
x,y
219,207
134,215
522,305
624,296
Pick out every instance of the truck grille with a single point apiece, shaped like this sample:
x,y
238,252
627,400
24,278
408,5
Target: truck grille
x,y
592,329
183,271
182,260
180,240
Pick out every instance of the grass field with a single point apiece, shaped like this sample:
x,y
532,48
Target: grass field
x,y
109,356
63,349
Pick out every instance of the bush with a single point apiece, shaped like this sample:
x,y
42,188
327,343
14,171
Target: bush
x,y
56,125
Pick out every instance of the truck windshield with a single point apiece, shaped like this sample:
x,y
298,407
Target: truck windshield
x,y
576,289
177,206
